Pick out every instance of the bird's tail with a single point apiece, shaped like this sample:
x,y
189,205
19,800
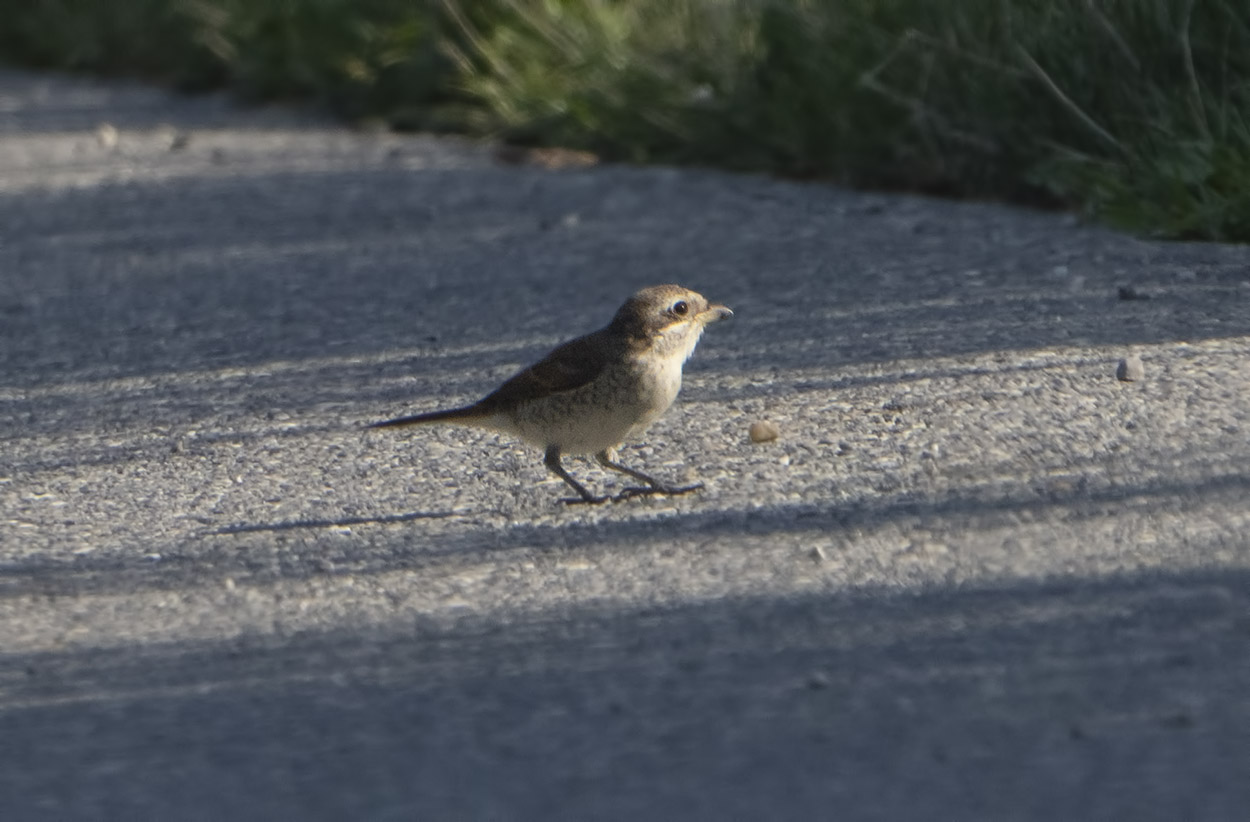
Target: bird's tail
x,y
468,414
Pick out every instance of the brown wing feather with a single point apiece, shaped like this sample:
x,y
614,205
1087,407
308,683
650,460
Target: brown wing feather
x,y
570,366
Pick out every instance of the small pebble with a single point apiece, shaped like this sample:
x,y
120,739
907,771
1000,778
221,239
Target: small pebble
x,y
764,431
1130,369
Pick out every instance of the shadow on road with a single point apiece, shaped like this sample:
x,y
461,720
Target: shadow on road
x,y
341,522
1110,699
157,277
211,555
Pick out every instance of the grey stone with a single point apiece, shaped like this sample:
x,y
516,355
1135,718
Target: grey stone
x,y
1130,369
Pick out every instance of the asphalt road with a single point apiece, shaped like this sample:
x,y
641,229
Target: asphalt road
x,y
976,577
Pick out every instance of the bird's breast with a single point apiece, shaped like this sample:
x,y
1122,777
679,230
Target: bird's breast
x,y
625,398
662,381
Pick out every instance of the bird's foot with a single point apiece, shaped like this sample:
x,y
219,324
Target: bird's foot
x,y
587,500
666,490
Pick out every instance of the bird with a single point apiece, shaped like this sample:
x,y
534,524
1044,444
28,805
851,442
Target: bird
x,y
592,394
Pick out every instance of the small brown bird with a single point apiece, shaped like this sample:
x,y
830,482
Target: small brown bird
x,y
592,393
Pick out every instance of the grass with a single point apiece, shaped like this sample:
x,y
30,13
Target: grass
x,y
1134,111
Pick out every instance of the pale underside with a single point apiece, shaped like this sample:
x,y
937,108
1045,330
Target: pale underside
x,y
616,406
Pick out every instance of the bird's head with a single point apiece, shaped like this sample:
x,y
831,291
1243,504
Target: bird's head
x,y
668,318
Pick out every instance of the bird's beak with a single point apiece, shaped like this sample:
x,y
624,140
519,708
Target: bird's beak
x,y
715,312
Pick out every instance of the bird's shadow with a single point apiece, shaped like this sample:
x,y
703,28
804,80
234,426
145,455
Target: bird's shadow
x,y
290,525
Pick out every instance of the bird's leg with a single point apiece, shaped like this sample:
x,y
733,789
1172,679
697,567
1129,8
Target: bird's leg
x,y
552,461
607,458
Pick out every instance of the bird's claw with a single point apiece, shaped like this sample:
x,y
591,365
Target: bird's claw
x,y
666,490
634,491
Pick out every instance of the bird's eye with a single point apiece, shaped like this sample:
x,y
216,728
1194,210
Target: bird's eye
x,y
680,308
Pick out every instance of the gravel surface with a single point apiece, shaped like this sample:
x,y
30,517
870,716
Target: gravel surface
x,y
975,576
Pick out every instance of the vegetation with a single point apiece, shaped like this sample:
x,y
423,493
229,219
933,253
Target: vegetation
x,y
1137,111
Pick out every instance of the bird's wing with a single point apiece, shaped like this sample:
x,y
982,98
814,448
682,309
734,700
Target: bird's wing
x,y
570,366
